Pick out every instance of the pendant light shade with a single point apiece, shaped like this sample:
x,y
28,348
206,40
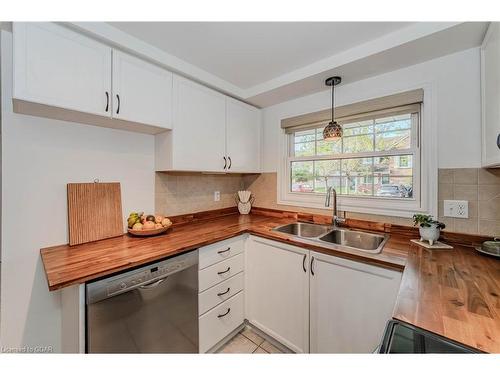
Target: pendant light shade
x,y
333,130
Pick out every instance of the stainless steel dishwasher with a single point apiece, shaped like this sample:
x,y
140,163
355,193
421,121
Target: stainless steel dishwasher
x,y
152,309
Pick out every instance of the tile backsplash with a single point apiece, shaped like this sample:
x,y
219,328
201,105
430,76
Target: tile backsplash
x,y
182,193
481,188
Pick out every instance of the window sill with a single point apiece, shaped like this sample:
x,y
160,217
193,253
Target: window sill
x,y
373,206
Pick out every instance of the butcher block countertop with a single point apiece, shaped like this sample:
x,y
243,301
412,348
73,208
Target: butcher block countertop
x,y
454,293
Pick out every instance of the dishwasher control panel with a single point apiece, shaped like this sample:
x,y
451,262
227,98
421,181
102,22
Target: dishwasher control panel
x,y
143,276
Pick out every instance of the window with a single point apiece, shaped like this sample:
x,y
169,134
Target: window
x,y
376,160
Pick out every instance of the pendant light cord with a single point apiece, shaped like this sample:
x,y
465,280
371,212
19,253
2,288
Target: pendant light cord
x,y
333,102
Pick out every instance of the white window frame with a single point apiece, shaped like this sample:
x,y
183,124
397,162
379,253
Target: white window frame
x,y
425,182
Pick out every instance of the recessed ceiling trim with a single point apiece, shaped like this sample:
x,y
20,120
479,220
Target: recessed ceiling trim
x,y
375,46
298,82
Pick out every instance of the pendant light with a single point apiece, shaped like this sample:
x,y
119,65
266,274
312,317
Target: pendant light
x,y
333,130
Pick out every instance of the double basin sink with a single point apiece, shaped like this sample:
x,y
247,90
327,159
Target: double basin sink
x,y
336,237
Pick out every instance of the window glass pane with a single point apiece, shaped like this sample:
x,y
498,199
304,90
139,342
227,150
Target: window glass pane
x,y
392,179
326,171
361,143
304,149
357,128
400,121
379,176
304,136
393,140
302,177
357,176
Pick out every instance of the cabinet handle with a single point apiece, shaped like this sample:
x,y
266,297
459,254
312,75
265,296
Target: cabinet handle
x,y
223,251
107,101
226,292
304,263
230,162
225,162
118,108
312,269
498,141
223,272
227,312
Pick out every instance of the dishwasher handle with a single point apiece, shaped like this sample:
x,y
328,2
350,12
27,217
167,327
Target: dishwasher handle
x,y
153,284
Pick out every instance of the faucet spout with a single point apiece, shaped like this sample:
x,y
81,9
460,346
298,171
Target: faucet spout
x,y
336,220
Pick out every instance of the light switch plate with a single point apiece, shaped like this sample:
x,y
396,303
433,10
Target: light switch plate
x,y
453,208
216,196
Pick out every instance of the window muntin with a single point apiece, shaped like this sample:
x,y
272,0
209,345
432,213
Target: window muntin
x,y
374,158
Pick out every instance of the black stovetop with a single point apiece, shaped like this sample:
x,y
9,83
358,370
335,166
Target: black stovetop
x,y
404,338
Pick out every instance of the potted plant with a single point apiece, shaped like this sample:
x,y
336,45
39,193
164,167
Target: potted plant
x,y
428,227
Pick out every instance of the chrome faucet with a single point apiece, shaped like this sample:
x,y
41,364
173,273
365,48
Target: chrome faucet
x,y
336,221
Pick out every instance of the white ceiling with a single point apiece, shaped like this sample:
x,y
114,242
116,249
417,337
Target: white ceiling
x,y
250,53
265,63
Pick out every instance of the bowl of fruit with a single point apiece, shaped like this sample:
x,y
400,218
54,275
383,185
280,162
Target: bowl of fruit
x,y
140,224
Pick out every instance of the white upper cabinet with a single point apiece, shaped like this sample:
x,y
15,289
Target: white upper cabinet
x,y
490,87
142,92
350,304
211,133
277,291
57,67
61,74
198,137
242,137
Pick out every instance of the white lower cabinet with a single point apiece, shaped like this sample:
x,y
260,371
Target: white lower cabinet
x,y
220,292
350,304
221,301
277,291
221,271
217,323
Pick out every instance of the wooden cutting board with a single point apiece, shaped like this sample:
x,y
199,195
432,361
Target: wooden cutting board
x,y
94,211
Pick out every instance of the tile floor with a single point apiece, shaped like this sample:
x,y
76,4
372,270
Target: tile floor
x,y
249,342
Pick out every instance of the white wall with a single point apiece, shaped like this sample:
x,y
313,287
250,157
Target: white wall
x,y
455,82
39,157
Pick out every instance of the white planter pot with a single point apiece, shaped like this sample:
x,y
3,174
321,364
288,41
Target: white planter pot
x,y
430,234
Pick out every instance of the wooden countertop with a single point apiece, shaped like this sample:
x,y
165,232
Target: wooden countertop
x,y
453,293
65,265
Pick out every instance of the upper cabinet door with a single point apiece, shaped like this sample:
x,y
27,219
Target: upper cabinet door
x,y
57,67
142,92
350,304
243,137
199,133
490,86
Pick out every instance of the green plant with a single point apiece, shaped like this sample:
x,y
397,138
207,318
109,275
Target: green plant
x,y
425,221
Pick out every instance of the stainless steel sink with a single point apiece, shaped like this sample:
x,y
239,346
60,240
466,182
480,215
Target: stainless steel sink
x,y
369,242
306,230
334,237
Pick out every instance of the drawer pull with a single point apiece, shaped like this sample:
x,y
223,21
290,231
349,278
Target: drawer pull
x,y
223,272
226,292
223,251
227,312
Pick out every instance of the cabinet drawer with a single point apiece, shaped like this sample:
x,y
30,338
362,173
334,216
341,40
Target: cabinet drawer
x,y
220,321
216,252
219,293
221,271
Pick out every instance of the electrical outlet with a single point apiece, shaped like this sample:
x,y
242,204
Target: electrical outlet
x,y
216,196
458,209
